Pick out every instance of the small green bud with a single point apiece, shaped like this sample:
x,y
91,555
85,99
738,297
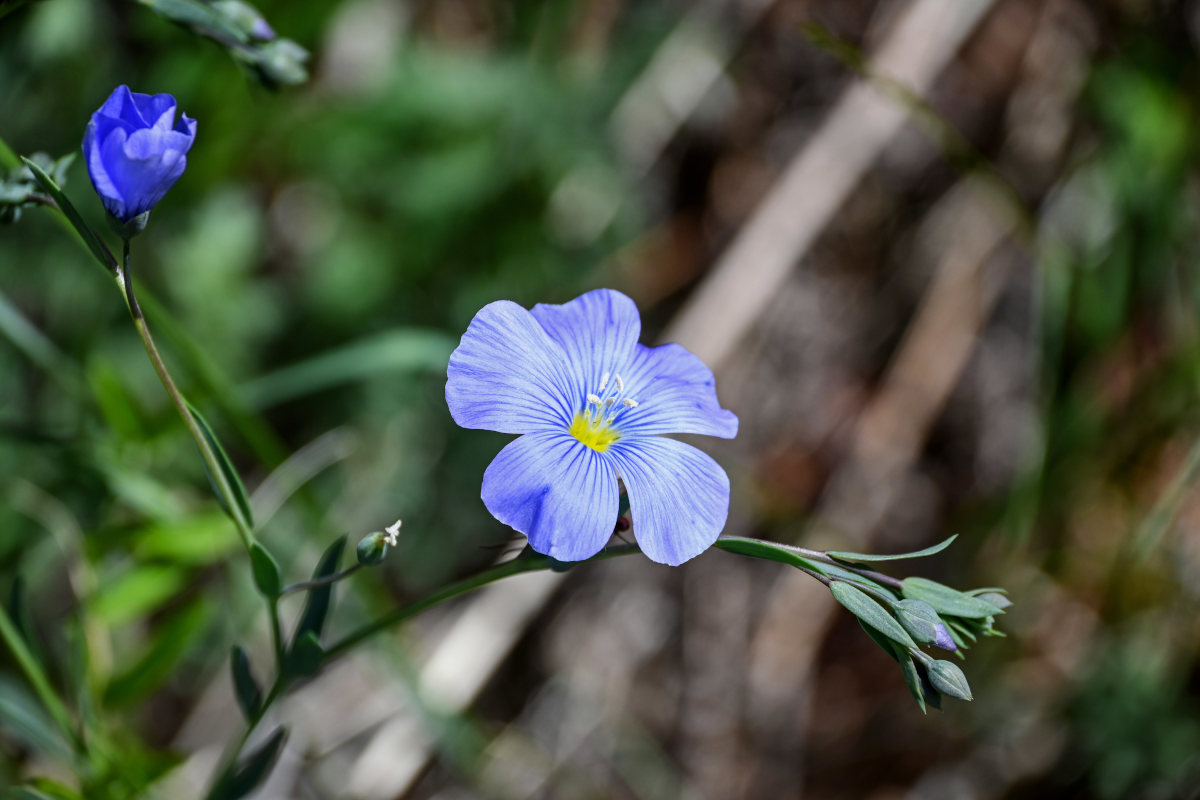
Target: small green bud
x,y
374,546
281,63
372,549
947,678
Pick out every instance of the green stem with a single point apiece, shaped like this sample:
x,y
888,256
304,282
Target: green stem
x,y
315,582
125,282
37,678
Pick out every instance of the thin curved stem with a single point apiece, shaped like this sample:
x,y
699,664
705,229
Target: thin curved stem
x,y
316,582
125,282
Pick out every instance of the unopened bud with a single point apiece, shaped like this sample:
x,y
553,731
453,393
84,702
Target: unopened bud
x,y
372,549
923,623
947,678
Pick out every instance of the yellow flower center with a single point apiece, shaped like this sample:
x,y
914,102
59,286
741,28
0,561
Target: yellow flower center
x,y
595,433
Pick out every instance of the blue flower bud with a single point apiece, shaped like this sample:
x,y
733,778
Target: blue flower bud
x,y
135,150
923,623
247,18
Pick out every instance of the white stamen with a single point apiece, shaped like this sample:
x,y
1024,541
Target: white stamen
x,y
610,401
393,534
620,383
594,399
603,381
629,402
612,418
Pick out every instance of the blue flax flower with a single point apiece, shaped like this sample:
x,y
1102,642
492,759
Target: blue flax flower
x,y
590,402
136,150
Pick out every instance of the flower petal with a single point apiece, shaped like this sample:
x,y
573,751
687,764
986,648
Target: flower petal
x,y
678,496
508,375
558,492
94,150
597,330
675,393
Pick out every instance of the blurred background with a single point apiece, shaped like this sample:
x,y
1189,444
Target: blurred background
x,y
941,254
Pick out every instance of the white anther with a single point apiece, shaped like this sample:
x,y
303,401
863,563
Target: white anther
x,y
603,381
610,401
393,533
629,402
620,383
594,399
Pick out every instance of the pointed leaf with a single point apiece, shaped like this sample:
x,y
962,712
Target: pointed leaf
x,y
928,551
94,243
248,773
245,687
912,678
316,607
948,601
305,657
241,512
861,605
266,571
880,640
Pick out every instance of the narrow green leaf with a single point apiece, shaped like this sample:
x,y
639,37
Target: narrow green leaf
x,y
170,643
248,773
948,601
241,512
266,571
316,607
912,678
928,551
305,657
245,687
861,605
995,598
94,243
932,696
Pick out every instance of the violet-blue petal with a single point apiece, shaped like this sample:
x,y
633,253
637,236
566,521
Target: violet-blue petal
x,y
560,493
598,332
676,393
136,150
508,375
678,496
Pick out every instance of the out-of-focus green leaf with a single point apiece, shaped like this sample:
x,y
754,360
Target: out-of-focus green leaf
x,y
248,773
240,512
316,606
401,350
172,641
203,539
305,656
928,551
136,593
948,601
266,571
863,606
245,687
25,719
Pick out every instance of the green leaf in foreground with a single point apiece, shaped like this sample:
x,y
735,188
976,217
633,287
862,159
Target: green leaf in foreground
x,y
266,571
316,607
241,512
245,776
245,687
89,237
861,605
948,601
928,551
